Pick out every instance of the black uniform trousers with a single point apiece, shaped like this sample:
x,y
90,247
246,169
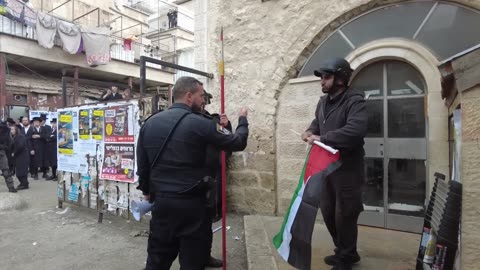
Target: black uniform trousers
x,y
341,204
180,225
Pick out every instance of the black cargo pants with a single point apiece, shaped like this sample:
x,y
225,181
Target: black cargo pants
x,y
341,204
180,225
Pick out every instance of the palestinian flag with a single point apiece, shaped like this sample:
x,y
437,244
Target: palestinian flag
x,y
293,242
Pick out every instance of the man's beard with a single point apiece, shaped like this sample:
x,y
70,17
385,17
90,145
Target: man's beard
x,y
196,108
334,89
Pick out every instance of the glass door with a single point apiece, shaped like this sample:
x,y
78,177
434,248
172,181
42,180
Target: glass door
x,y
395,146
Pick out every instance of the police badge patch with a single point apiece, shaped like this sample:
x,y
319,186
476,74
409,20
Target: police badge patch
x,y
222,130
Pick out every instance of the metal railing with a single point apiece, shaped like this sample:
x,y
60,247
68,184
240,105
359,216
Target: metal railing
x,y
119,49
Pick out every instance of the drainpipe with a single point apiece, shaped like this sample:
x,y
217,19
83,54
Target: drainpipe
x,y
75,86
3,81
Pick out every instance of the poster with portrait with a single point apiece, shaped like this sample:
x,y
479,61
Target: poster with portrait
x,y
65,133
118,127
97,124
118,162
84,125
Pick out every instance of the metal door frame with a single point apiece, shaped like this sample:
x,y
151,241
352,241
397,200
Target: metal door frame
x,y
385,219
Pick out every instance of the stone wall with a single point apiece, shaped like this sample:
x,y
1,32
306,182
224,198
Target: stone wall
x,y
470,167
266,43
297,104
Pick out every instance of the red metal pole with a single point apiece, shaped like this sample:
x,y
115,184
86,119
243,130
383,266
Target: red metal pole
x,y
224,171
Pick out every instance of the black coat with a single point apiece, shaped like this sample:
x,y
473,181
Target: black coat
x,y
182,163
28,136
5,146
213,159
343,125
51,148
21,155
38,145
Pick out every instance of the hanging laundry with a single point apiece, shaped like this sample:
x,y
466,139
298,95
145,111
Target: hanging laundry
x,y
127,44
80,49
70,35
96,41
46,30
18,11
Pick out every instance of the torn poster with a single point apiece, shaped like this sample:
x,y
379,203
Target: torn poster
x,y
73,193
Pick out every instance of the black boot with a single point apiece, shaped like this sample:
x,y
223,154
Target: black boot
x,y
21,187
54,173
12,189
334,260
214,263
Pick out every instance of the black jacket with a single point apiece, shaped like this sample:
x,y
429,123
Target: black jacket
x,y
6,146
344,126
182,163
38,145
213,157
5,138
21,155
51,147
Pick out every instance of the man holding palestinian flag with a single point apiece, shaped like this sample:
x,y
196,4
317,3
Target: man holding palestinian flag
x,y
333,175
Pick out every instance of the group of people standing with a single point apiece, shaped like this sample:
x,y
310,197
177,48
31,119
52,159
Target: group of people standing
x,y
29,146
172,18
113,94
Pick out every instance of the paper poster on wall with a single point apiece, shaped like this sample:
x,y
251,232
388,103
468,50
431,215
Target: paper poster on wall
x,y
65,133
50,115
118,163
60,192
97,124
67,163
84,125
84,182
73,193
117,125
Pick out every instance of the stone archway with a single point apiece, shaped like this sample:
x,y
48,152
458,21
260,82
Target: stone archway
x,y
289,150
262,55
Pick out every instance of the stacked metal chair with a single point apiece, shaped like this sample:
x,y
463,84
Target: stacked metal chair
x,y
439,242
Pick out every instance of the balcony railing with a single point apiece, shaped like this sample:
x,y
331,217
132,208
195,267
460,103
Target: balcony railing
x,y
119,50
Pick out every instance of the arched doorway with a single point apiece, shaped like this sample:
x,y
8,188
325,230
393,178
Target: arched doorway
x,y
445,28
396,44
395,146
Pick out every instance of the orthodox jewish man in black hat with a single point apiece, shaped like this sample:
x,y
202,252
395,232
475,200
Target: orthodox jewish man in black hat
x,y
51,149
45,132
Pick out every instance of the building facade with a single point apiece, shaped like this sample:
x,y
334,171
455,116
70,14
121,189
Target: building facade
x,y
31,74
396,48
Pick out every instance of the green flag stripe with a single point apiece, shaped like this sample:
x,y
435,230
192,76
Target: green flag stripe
x,y
278,239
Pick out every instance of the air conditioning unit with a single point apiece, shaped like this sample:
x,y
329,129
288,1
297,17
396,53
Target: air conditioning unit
x,y
20,98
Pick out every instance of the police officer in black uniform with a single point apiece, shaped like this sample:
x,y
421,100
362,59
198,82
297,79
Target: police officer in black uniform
x,y
6,149
341,122
214,164
171,152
